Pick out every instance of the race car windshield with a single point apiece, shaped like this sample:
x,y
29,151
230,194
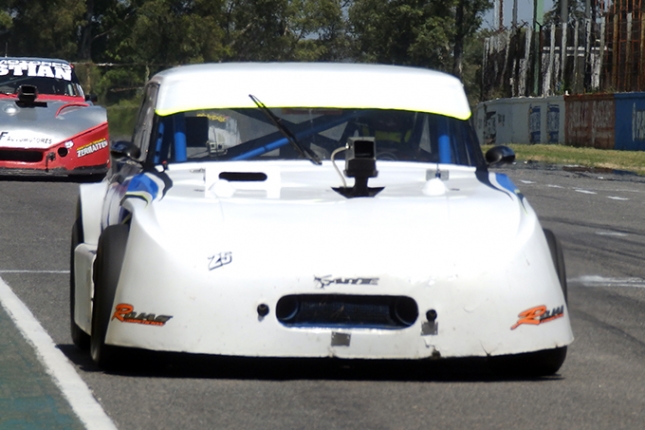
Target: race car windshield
x,y
9,84
249,134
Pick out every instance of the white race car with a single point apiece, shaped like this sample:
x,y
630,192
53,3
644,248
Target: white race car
x,y
313,210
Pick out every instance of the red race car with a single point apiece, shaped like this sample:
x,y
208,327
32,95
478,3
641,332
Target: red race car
x,y
47,124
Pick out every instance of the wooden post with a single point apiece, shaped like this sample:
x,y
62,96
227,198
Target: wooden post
x,y
576,81
548,80
628,57
564,22
601,55
614,56
641,59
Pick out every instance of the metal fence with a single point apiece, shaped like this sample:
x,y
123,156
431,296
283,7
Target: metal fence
x,y
603,54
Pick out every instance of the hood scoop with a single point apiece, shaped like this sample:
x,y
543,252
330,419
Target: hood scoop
x,y
243,176
225,183
27,95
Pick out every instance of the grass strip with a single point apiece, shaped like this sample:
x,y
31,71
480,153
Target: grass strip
x,y
633,161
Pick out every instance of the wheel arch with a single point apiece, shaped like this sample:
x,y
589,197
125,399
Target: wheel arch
x,y
557,255
91,205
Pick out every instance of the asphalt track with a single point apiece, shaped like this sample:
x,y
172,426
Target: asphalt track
x,y
28,396
597,215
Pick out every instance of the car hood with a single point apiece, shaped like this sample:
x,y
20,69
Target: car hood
x,y
453,219
45,123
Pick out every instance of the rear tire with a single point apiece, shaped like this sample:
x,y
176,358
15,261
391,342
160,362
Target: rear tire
x,y
79,337
107,269
558,260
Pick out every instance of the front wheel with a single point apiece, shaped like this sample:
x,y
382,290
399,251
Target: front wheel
x,y
107,269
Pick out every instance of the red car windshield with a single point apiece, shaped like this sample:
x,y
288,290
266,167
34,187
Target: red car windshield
x,y
50,78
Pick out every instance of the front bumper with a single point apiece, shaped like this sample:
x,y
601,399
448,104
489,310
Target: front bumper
x,y
175,302
87,153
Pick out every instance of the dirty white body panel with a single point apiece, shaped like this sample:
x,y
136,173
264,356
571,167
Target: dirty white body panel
x,y
210,252
448,260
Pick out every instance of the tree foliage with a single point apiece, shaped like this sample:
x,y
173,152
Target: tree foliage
x,y
128,40
575,12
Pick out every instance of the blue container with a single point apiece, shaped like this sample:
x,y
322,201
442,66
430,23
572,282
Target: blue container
x,y
630,121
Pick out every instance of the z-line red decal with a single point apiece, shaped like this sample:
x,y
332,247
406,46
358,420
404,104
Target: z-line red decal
x,y
538,315
125,313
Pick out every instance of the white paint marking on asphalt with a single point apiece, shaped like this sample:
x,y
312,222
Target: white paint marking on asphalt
x,y
617,198
580,190
56,364
527,182
601,281
554,186
611,233
62,272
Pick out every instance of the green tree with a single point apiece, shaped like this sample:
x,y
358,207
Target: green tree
x,y
468,19
43,27
129,40
407,32
575,12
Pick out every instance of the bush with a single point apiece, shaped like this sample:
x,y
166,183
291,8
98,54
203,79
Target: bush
x,y
121,119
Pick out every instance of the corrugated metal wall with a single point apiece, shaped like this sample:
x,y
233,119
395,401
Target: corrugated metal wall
x,y
590,120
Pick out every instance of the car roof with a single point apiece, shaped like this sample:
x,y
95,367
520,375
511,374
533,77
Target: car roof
x,y
326,85
32,59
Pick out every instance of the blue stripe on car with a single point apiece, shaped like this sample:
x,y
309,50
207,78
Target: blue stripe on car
x,y
142,183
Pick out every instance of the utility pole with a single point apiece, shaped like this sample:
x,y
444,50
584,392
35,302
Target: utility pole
x,y
564,23
514,21
538,20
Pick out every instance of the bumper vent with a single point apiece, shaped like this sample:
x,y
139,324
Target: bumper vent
x,y
21,155
347,311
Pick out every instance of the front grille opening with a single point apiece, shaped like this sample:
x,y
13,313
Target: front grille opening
x,y
21,155
347,311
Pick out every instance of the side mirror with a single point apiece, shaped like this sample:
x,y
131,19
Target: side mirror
x,y
91,98
499,155
125,148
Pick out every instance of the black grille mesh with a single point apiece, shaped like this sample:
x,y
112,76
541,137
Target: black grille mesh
x,y
21,155
336,310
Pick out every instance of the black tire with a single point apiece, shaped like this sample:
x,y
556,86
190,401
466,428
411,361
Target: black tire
x,y
531,364
107,269
558,260
79,337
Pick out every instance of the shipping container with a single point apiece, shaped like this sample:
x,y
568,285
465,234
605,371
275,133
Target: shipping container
x,y
520,120
630,121
590,120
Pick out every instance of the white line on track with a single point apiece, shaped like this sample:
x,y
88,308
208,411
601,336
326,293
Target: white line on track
x,y
56,364
611,233
35,271
580,190
601,281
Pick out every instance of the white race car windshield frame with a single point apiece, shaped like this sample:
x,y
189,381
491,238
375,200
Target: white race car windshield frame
x,y
247,134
